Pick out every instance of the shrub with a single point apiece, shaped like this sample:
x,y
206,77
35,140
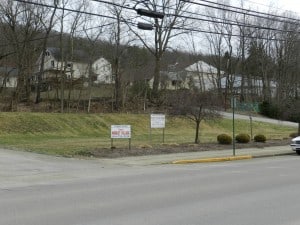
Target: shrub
x,y
224,139
269,109
260,138
242,138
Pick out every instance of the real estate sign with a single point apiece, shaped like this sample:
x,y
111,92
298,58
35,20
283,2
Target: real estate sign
x,y
120,131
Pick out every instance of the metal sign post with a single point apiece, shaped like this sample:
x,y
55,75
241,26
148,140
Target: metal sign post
x,y
158,121
233,104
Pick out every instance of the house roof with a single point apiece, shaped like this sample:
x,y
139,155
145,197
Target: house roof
x,y
9,71
77,56
202,67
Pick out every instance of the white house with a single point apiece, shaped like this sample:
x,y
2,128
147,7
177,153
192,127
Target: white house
x,y
8,77
171,80
199,75
203,76
75,66
250,86
102,68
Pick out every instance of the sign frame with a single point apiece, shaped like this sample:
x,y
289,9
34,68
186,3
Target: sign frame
x,y
157,121
120,132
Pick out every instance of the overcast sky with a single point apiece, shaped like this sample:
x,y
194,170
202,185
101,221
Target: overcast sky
x,y
293,5
280,5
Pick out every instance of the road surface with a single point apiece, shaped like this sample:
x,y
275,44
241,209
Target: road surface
x,y
253,192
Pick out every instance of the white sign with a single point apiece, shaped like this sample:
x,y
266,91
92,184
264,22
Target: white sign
x,y
120,131
158,120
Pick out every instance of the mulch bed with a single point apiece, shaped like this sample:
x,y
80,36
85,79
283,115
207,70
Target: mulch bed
x,y
167,149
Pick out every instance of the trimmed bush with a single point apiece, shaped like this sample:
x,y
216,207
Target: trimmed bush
x,y
224,139
260,138
242,138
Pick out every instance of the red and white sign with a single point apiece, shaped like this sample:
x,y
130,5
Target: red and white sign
x,y
120,131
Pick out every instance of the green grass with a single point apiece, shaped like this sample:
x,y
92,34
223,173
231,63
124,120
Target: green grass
x,y
66,134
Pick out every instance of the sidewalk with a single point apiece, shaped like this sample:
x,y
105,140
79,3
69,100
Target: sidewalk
x,y
209,156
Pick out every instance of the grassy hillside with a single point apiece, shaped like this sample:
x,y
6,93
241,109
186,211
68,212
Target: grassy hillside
x,y
66,134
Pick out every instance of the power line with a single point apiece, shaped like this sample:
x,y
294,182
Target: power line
x,y
226,34
242,11
187,17
66,9
57,35
253,11
226,21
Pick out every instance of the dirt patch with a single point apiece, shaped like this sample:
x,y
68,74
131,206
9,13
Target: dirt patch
x,y
174,148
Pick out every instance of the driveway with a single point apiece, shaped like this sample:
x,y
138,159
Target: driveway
x,y
19,169
259,119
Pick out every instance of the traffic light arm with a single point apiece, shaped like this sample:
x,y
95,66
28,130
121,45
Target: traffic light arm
x,y
150,13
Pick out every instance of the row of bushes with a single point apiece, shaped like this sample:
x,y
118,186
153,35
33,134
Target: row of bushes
x,y
240,138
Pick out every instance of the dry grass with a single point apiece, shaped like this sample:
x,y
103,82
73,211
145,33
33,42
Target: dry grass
x,y
68,134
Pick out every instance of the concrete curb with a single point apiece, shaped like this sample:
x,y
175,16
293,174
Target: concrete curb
x,y
218,159
273,155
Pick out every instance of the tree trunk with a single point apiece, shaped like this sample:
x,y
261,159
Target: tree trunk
x,y
156,78
197,141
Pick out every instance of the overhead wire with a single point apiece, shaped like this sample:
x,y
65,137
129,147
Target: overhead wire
x,y
224,21
182,16
252,13
248,10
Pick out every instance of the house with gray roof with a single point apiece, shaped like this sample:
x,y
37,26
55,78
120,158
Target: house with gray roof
x,y
199,75
74,66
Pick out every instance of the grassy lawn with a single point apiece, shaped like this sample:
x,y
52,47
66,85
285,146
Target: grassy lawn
x,y
66,134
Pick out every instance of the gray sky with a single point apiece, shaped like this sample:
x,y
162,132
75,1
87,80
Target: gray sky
x,y
280,5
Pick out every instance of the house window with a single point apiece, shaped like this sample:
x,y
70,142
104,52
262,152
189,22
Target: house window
x,y
69,65
52,63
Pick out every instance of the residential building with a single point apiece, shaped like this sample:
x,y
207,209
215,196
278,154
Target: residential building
x,y
78,65
251,87
8,77
199,75
203,76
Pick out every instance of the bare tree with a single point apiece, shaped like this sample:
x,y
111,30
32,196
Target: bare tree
x,y
76,22
119,39
21,25
48,25
164,30
71,19
196,106
220,47
94,37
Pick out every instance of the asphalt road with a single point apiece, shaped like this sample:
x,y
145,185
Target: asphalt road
x,y
260,191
